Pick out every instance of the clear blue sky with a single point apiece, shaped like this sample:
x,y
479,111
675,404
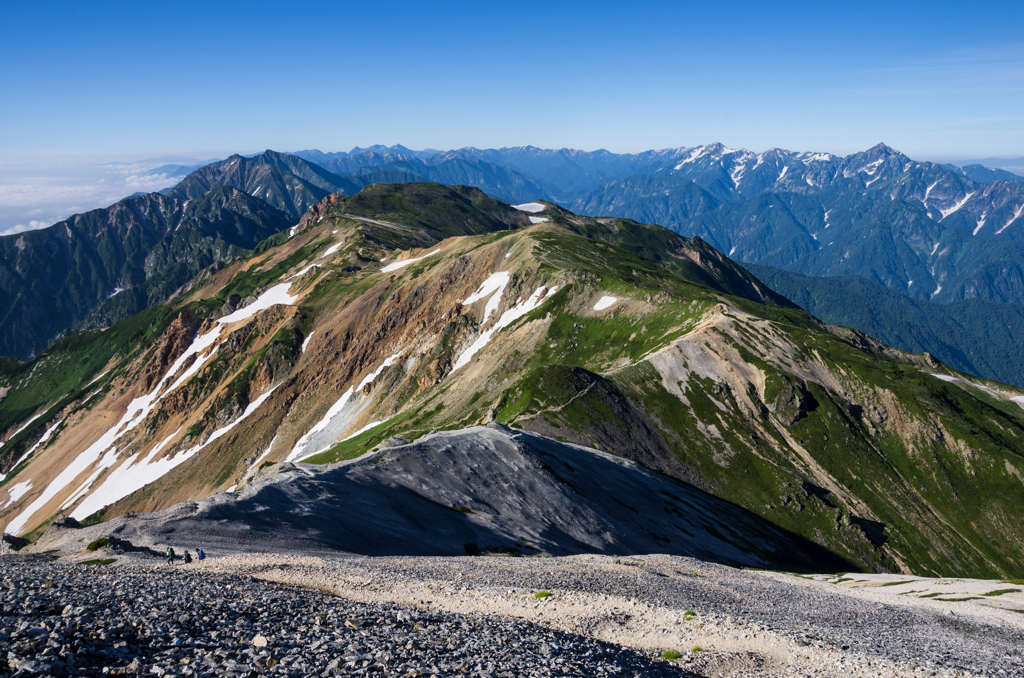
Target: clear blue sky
x,y
933,79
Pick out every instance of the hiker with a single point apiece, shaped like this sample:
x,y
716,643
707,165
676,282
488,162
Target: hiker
x,y
188,558
170,556
200,554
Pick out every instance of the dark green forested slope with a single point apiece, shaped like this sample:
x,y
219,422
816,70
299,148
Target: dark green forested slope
x,y
95,268
976,336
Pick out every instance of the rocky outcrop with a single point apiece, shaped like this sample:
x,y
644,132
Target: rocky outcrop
x,y
11,544
174,342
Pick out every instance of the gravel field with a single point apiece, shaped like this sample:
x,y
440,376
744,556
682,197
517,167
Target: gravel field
x,y
92,620
748,623
408,616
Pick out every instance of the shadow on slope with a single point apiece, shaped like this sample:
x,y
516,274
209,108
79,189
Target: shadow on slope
x,y
487,488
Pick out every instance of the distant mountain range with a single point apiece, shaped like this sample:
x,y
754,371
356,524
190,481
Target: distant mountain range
x,y
935,233
982,174
1013,165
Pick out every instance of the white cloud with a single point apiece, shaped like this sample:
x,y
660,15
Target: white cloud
x,y
37,196
21,228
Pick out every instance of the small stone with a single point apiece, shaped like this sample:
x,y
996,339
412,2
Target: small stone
x,y
259,641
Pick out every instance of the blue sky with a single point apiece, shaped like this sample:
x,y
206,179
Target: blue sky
x,y
126,80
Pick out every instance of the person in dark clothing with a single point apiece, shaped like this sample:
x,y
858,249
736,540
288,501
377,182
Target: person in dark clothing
x,y
188,558
170,555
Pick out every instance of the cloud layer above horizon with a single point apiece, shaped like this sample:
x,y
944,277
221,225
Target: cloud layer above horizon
x,y
37,196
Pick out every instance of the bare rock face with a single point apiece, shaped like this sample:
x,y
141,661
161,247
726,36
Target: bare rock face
x,y
791,401
175,340
231,305
11,544
499,489
318,211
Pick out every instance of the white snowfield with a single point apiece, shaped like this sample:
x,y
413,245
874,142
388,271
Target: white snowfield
x,y
954,208
305,342
402,264
331,250
17,492
1016,215
533,207
506,319
537,220
604,302
104,454
138,472
495,283
300,451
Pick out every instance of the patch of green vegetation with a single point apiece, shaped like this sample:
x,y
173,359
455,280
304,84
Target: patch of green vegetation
x,y
671,655
95,518
98,544
956,600
540,595
1017,582
1000,592
461,509
900,583
696,648
346,449
99,561
246,282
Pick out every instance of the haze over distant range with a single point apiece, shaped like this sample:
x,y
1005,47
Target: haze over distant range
x,y
39,193
36,194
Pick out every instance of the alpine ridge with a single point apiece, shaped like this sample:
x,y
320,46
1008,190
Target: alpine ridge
x,y
407,309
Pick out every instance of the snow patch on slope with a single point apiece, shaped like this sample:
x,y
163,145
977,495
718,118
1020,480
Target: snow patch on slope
x,y
140,407
402,264
1013,219
506,319
533,207
17,492
604,302
981,222
331,250
954,208
300,452
133,474
928,192
494,284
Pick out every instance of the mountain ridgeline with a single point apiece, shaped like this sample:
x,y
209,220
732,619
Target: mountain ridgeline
x,y
938,233
102,266
408,309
